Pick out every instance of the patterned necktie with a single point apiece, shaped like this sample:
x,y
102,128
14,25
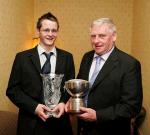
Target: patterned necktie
x,y
96,70
46,69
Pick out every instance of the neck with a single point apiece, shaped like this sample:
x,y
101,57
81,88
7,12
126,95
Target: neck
x,y
47,48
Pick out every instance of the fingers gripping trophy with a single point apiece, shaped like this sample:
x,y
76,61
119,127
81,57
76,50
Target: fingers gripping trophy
x,y
77,88
51,88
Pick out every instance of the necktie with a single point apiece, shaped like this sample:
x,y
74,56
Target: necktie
x,y
46,69
93,77
96,70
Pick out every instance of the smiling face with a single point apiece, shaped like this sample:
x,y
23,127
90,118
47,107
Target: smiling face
x,y
102,38
48,33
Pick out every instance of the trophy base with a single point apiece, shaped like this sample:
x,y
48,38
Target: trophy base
x,y
74,111
75,104
51,114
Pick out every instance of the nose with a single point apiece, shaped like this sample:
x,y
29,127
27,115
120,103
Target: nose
x,y
50,32
97,39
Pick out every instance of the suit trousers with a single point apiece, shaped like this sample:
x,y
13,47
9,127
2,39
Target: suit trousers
x,y
53,126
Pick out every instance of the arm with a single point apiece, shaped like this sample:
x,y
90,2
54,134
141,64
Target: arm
x,y
130,101
69,74
19,85
15,91
129,89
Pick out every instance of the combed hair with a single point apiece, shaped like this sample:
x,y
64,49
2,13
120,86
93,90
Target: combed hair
x,y
102,21
48,16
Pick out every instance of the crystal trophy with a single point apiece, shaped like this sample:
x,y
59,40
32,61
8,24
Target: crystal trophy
x,y
51,89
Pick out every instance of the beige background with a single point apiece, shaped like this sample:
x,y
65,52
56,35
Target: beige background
x,y
16,32
17,28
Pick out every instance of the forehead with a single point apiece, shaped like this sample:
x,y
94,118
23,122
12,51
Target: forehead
x,y
48,24
100,29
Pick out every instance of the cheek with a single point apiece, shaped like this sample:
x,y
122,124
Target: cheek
x,y
55,35
92,41
41,35
108,41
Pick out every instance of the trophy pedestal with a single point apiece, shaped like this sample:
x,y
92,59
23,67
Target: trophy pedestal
x,y
75,104
77,89
51,114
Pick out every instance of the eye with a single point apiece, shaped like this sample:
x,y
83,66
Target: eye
x,y
102,35
53,30
93,36
49,30
46,30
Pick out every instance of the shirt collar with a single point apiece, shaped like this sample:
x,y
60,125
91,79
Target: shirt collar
x,y
41,50
106,55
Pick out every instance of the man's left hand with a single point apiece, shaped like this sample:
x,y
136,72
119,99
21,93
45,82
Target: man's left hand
x,y
59,110
87,114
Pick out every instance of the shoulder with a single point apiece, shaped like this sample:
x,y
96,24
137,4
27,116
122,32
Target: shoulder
x,y
63,52
125,57
27,52
88,55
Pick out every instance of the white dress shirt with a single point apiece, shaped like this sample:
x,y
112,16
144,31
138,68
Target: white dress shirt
x,y
43,57
104,57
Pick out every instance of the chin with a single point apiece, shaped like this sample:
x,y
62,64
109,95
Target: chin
x,y
98,51
50,44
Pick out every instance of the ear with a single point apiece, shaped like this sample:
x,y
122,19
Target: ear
x,y
37,32
114,36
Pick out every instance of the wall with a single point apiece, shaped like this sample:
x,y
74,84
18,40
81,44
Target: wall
x,y
18,19
16,31
141,49
75,17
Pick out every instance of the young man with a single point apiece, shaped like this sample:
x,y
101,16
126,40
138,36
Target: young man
x,y
25,88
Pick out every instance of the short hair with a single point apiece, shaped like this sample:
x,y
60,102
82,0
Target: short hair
x,y
102,21
48,16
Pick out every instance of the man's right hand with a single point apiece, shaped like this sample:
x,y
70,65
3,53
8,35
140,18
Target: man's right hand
x,y
40,111
67,106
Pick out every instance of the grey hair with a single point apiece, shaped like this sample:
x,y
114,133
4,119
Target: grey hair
x,y
102,21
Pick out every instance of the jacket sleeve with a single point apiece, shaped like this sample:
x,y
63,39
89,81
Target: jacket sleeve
x,y
69,74
15,91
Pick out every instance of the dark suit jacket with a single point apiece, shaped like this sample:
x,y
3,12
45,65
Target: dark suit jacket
x,y
116,94
25,91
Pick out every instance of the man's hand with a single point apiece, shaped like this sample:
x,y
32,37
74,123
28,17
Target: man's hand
x,y
67,106
87,114
40,111
59,110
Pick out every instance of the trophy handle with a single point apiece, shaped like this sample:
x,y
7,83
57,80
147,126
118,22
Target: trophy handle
x,y
68,91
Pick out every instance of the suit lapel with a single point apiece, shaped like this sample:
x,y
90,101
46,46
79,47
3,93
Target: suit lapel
x,y
109,65
59,61
85,66
89,62
34,57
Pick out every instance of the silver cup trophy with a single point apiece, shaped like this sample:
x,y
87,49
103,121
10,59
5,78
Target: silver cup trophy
x,y
77,89
51,88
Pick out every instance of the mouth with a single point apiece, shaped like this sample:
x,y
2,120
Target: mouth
x,y
98,46
50,38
